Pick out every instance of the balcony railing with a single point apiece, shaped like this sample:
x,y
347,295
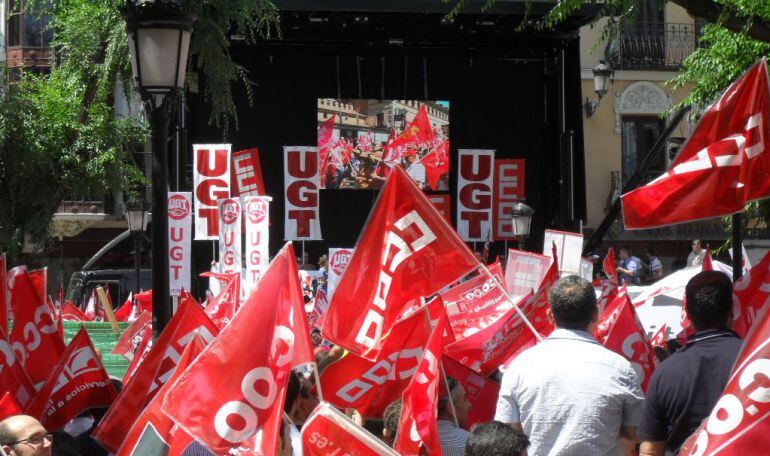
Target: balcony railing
x,y
652,46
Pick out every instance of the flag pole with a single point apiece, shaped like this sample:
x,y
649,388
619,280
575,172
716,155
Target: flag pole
x,y
441,364
737,241
317,377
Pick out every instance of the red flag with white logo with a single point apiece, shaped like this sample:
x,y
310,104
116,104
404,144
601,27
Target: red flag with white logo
x,y
9,406
71,313
222,307
751,295
141,352
78,382
406,251
241,412
481,392
610,312
477,303
328,431
738,422
724,165
418,430
12,376
660,338
132,308
35,336
154,371
132,337
369,386
153,432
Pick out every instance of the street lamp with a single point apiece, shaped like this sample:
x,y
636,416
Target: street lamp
x,y
137,219
158,41
521,219
602,74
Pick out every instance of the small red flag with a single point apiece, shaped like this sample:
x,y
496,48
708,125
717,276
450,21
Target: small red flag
x,y
8,406
610,270
130,311
329,432
12,376
71,313
132,337
751,296
436,163
78,382
142,350
223,306
481,392
660,338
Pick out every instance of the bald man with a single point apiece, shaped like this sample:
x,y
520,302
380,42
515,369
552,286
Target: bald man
x,y
22,435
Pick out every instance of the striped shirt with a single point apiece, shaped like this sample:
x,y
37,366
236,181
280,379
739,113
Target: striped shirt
x,y
452,438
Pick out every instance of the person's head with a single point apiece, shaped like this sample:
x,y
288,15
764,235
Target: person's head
x,y
649,253
390,419
625,252
315,334
696,246
23,435
458,407
709,296
573,303
496,439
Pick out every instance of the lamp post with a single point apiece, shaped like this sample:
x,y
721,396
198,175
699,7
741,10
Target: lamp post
x,y
158,41
602,74
137,219
521,219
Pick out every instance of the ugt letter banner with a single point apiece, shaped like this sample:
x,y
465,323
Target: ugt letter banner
x,y
211,181
230,235
724,165
256,209
406,251
474,194
246,174
179,241
301,180
509,188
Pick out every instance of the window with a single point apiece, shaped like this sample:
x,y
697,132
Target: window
x,y
639,135
28,27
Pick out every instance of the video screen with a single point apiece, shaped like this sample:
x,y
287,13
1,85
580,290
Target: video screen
x,y
359,141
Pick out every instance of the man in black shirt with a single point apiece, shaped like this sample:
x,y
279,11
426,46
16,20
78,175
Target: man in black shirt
x,y
687,385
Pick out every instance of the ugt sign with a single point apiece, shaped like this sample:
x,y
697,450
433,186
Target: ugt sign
x,y
474,194
302,180
211,177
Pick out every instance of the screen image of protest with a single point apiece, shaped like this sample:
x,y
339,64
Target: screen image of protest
x,y
360,141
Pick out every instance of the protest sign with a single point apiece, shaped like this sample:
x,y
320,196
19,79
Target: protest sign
x,y
509,188
568,246
230,235
179,241
246,174
211,182
256,212
474,194
338,262
301,180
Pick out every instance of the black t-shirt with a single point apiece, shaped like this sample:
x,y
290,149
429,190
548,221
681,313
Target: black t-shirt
x,y
687,385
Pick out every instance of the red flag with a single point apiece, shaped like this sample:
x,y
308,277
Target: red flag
x,y
610,269
480,391
153,432
243,410
12,376
419,130
246,173
155,370
708,264
35,336
615,299
78,382
406,251
129,311
141,352
3,294
724,165
329,432
660,338
39,279
71,313
477,303
627,338
738,422
132,336
751,295
222,307
436,163
8,406
418,423
369,386
325,145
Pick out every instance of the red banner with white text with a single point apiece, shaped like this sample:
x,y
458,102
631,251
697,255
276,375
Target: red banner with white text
x,y
509,188
477,303
211,182
179,241
328,431
246,174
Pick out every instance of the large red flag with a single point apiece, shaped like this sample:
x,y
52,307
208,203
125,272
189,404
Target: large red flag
x,y
132,337
724,165
71,313
481,392
153,432
751,295
738,422
243,410
477,303
12,376
406,251
3,294
329,432
369,386
78,382
418,424
156,368
35,336
9,406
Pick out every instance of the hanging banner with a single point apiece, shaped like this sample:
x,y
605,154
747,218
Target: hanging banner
x,y
179,241
246,174
211,181
230,235
442,204
568,248
301,181
256,209
474,194
509,188
338,261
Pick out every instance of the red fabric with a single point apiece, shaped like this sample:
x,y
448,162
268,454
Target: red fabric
x,y
130,311
751,296
325,145
243,410
417,427
131,338
78,382
156,368
9,406
246,173
71,313
660,338
610,269
419,130
477,303
708,264
724,165
369,386
35,335
627,338
13,378
153,420
738,423
39,279
3,293
615,299
406,251
222,307
141,352
436,163
328,432
481,392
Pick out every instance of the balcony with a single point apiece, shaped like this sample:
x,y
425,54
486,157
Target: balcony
x,y
652,46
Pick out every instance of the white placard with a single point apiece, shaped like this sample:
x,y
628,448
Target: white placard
x,y
568,248
179,241
474,194
230,235
256,210
338,261
211,177
301,181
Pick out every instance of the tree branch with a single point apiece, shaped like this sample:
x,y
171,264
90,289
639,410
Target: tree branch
x,y
730,19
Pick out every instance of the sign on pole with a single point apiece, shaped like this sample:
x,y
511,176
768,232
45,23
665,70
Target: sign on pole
x,y
230,235
179,241
338,261
246,174
211,177
509,188
568,248
256,210
301,183
474,194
